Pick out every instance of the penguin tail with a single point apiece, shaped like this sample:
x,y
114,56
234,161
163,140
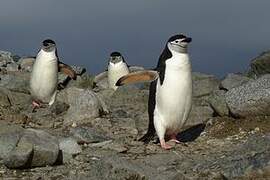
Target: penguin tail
x,y
148,137
138,77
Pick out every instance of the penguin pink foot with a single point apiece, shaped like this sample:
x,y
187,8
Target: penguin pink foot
x,y
174,139
35,105
164,145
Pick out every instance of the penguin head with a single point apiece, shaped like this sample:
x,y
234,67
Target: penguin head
x,y
116,57
48,45
179,43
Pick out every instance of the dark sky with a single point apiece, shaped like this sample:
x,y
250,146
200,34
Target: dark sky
x,y
226,34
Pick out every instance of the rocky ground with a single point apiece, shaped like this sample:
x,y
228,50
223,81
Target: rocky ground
x,y
91,131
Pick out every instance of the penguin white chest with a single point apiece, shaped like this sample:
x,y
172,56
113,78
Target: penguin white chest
x,y
44,76
115,72
174,95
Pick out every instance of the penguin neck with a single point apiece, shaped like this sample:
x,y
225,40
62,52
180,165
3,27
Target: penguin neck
x,y
51,55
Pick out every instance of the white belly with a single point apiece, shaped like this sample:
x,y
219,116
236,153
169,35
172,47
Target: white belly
x,y
115,72
43,82
174,99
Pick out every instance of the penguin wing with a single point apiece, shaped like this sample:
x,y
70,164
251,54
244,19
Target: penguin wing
x,y
67,70
139,76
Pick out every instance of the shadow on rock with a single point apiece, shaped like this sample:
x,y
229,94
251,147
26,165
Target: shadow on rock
x,y
191,134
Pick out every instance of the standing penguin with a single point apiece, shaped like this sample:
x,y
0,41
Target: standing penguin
x,y
44,76
170,97
117,68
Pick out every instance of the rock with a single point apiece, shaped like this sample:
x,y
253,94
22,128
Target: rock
x,y
21,156
250,99
260,65
12,67
87,135
5,58
46,148
84,104
17,81
26,64
218,103
9,137
79,70
199,115
69,146
4,101
204,84
233,80
19,99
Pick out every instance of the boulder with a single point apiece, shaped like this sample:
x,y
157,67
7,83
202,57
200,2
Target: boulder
x,y
204,84
83,104
26,64
199,115
260,65
18,82
218,103
9,137
45,147
233,80
250,99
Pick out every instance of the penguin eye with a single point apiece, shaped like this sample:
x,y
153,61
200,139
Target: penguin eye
x,y
176,41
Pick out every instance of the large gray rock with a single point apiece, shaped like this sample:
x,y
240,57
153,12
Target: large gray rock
x,y
218,103
69,146
250,99
4,101
20,156
5,58
46,147
17,81
26,64
260,65
199,115
233,80
84,104
204,84
9,137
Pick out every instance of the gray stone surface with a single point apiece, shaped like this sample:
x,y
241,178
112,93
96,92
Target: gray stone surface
x,y
26,64
69,146
233,80
260,65
46,147
9,137
20,156
87,135
17,81
218,103
199,115
84,104
204,84
12,67
250,99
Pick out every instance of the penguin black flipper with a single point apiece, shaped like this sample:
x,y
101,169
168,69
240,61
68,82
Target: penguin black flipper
x,y
137,77
151,107
67,70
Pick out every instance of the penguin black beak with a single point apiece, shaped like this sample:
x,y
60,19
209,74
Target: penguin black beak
x,y
187,40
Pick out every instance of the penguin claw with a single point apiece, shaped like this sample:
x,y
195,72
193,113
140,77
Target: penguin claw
x,y
164,145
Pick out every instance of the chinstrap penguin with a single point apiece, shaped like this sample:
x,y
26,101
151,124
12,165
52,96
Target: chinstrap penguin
x,y
170,97
117,68
44,76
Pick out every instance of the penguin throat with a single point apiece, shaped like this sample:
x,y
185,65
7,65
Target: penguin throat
x,y
177,48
